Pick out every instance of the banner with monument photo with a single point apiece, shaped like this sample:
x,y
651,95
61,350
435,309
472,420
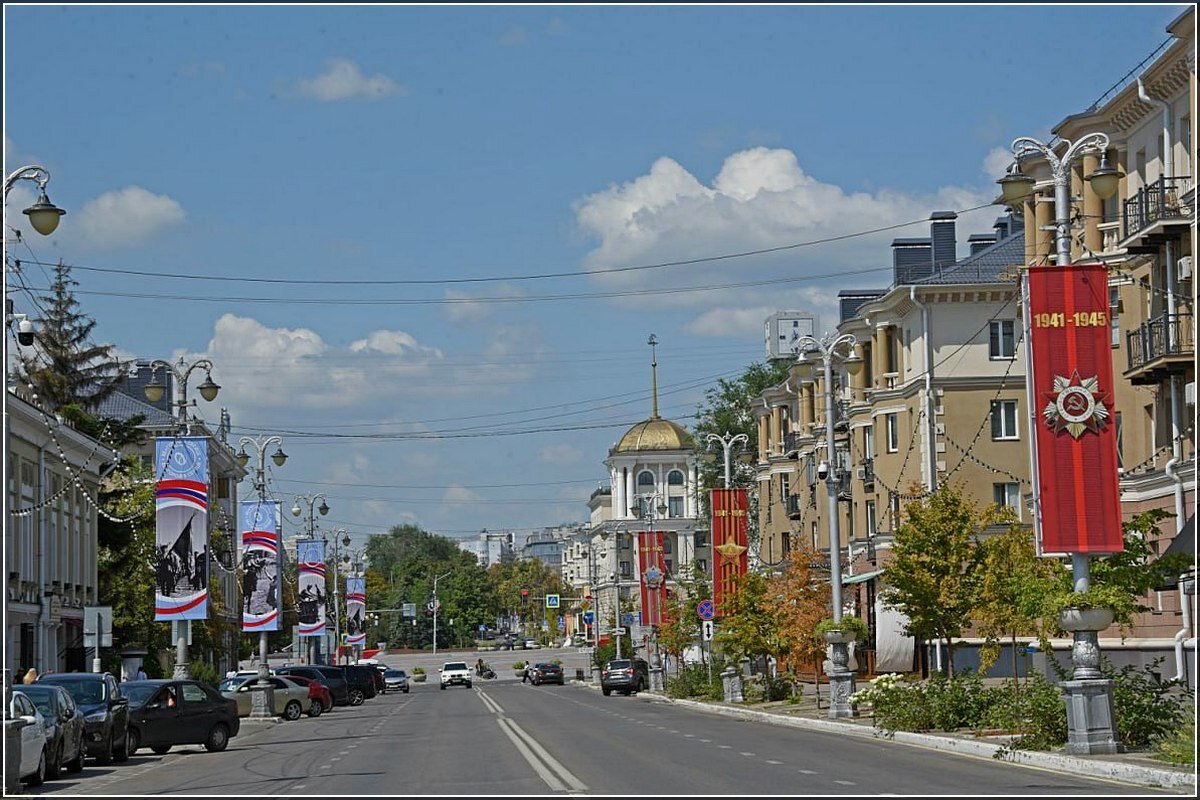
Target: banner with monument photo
x,y
181,528
311,555
261,590
356,610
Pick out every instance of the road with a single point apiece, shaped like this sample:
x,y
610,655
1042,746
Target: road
x,y
506,738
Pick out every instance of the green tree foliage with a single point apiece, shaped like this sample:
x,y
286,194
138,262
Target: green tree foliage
x,y
681,625
931,576
750,628
64,367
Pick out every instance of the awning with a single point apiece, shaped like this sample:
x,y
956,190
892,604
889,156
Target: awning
x,y
1184,542
866,576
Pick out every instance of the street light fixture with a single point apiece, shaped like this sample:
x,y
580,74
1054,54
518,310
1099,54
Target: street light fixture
x,y
154,391
260,445
310,500
727,442
830,348
43,215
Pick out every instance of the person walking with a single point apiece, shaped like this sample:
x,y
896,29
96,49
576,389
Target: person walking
x,y
30,676
140,675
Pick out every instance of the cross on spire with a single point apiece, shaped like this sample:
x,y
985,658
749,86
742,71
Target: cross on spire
x,y
653,341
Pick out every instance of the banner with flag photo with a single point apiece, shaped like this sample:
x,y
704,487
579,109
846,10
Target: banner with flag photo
x,y
261,589
311,555
653,571
181,528
356,612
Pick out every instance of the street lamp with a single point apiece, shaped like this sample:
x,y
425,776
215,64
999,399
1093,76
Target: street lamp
x,y
337,626
829,348
1089,697
43,215
260,445
727,442
311,500
435,609
154,390
652,502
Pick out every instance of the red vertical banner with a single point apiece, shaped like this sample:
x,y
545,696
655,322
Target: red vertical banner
x,y
1070,392
730,559
654,576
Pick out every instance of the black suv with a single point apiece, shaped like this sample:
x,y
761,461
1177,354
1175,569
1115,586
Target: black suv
x,y
362,681
105,712
333,678
626,675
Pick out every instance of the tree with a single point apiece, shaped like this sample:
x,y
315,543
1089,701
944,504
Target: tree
x,y
749,628
799,598
65,367
931,574
1013,582
679,628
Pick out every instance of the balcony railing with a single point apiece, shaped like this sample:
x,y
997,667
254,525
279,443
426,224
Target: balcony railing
x,y
793,504
866,472
1155,202
791,443
1168,335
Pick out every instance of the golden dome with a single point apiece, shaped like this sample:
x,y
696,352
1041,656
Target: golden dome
x,y
655,433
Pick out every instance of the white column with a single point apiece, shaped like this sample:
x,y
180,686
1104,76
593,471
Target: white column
x,y
618,492
630,477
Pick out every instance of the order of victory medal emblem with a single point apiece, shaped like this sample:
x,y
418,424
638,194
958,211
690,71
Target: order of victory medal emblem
x,y
1075,406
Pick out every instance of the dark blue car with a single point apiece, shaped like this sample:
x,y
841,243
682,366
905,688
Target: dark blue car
x,y
105,712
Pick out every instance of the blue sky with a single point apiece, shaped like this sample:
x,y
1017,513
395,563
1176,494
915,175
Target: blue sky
x,y
294,154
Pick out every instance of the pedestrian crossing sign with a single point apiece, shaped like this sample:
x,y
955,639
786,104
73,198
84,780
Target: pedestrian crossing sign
x,y
551,601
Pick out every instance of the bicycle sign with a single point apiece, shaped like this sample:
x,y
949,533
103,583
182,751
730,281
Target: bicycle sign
x,y
705,609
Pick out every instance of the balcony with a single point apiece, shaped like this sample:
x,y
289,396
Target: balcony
x,y
1159,347
794,505
1154,211
791,443
866,473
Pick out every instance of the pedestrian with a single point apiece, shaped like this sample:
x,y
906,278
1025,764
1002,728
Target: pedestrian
x,y
525,675
30,676
140,675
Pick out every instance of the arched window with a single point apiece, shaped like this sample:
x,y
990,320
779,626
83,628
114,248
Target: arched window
x,y
675,478
645,478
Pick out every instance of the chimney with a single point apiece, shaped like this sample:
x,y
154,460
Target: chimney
x,y
911,260
941,230
981,241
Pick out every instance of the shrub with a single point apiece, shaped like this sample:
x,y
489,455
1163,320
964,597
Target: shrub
x,y
519,665
693,681
849,624
204,672
1147,709
1178,747
418,671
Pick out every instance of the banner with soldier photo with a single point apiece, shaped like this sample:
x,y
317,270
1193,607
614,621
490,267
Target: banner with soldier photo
x,y
181,528
311,555
356,609
261,590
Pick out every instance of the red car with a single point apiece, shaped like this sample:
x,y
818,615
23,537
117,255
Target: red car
x,y
318,692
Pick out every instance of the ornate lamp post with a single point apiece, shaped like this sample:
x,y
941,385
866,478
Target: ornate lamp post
x,y
259,445
830,348
653,505
1090,720
181,371
435,608
311,501
727,442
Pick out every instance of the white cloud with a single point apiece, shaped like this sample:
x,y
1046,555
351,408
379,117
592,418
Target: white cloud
x,y
749,319
345,81
126,217
761,198
464,306
996,162
461,494
562,454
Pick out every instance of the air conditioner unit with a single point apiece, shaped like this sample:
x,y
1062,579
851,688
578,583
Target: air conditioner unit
x,y
861,473
1184,272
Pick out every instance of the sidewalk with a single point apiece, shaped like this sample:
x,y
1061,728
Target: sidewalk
x,y
1134,768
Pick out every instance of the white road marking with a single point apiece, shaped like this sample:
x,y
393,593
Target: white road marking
x,y
772,761
846,783
748,754
806,771
571,781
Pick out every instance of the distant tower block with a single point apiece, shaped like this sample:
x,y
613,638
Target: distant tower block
x,y
784,330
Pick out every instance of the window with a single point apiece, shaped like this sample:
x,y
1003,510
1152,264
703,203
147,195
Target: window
x,y
1002,341
1114,314
869,441
645,478
894,497
702,564
1004,419
784,487
815,540
701,540
1007,494
871,518
893,432
675,506
666,545
668,565
626,569
675,478
1120,440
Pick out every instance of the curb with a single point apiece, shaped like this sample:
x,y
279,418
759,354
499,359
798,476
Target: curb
x,y
1112,770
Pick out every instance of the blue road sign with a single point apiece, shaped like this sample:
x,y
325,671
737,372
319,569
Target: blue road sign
x,y
627,619
705,609
588,616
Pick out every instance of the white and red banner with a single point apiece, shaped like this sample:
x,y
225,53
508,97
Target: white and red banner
x,y
356,610
181,528
261,590
311,555
731,551
653,571
1070,392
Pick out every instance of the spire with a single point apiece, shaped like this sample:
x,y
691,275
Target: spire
x,y
653,375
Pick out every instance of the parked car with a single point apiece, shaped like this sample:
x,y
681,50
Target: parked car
x,y
290,699
396,680
167,712
362,683
546,672
333,678
627,676
105,712
33,738
65,740
320,700
455,673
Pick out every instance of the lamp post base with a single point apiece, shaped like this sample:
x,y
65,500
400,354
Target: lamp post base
x,y
841,682
262,704
1091,726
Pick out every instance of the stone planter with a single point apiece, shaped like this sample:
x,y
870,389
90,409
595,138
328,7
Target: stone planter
x,y
839,637
418,677
1085,619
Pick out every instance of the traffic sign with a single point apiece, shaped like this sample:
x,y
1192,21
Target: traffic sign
x,y
618,631
551,601
705,609
627,619
707,628
588,616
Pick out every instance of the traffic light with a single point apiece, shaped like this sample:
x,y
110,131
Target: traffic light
x,y
524,597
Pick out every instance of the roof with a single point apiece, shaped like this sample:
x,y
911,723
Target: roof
x,y
912,241
119,405
992,264
655,433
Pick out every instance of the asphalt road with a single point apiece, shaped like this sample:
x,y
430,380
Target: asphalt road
x,y
503,737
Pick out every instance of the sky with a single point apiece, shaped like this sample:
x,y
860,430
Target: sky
x,y
427,244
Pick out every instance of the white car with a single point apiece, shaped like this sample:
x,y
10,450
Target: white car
x,y
455,673
33,738
290,698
